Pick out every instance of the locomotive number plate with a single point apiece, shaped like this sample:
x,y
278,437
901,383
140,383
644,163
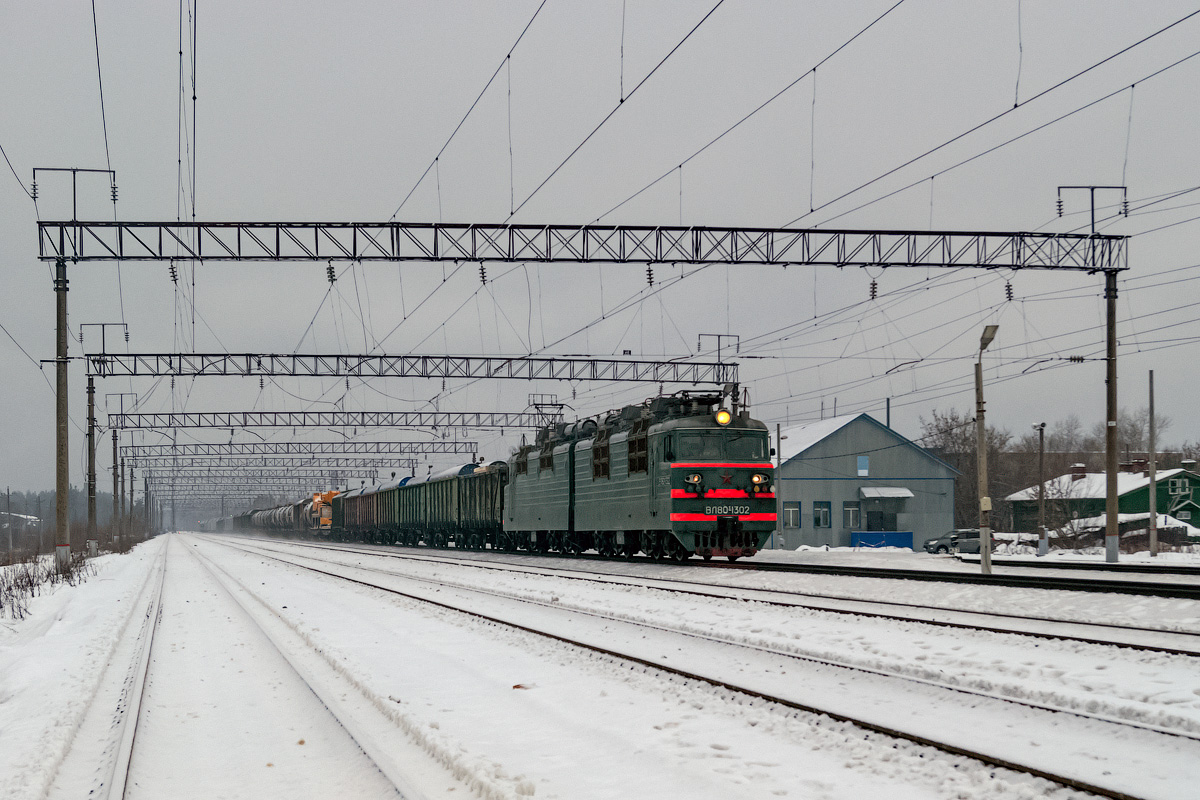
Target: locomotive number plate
x,y
718,510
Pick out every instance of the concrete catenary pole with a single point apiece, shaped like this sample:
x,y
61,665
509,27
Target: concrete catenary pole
x,y
124,519
115,526
1043,534
62,534
1112,539
1152,488
91,458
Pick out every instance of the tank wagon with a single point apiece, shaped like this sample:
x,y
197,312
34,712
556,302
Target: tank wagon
x,y
672,477
312,516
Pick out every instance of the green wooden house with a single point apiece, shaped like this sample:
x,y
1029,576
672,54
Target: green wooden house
x,y
1080,495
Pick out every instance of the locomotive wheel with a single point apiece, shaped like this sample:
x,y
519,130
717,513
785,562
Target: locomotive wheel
x,y
732,558
708,556
655,547
679,553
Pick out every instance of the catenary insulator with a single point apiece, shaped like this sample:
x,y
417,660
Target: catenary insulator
x,y
1008,292
650,275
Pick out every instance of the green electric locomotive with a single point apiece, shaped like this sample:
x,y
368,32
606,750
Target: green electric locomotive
x,y
673,477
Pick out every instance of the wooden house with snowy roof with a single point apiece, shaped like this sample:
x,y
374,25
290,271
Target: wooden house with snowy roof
x,y
1080,495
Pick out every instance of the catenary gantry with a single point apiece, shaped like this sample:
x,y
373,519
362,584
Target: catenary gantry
x,y
336,419
272,462
415,241
77,241
348,447
408,366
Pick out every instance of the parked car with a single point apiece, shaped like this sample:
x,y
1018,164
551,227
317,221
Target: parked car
x,y
962,540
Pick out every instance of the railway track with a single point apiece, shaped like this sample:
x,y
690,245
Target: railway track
x,y
135,725
1178,590
107,728
1164,568
947,745
1149,639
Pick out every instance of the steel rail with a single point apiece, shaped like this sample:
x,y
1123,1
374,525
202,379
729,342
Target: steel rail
x,y
742,593
369,749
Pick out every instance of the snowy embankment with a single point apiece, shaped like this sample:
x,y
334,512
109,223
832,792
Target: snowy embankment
x,y
52,661
505,713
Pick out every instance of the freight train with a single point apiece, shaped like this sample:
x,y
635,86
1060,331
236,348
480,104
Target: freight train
x,y
673,477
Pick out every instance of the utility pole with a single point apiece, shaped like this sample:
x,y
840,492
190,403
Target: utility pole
x,y
91,424
62,533
1153,505
91,460
115,525
1112,536
1043,535
985,501
779,437
8,491
124,520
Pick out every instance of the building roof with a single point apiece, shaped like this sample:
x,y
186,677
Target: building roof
x,y
800,438
1092,486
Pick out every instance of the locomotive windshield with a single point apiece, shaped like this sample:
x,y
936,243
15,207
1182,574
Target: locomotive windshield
x,y
741,445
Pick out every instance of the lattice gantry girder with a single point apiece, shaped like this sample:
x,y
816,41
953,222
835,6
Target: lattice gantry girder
x,y
386,366
410,241
271,462
189,473
334,419
298,448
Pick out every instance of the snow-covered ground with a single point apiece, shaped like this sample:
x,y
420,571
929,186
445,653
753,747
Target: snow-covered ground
x,y
266,679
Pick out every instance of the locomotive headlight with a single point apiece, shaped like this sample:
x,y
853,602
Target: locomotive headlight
x,y
693,479
723,417
758,478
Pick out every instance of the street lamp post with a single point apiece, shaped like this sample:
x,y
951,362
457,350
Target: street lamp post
x,y
779,437
1043,537
985,502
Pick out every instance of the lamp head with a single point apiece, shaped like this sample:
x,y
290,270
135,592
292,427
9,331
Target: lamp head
x,y
989,333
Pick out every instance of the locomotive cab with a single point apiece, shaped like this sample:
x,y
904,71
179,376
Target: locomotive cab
x,y
722,493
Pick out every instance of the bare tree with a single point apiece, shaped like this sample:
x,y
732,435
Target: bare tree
x,y
951,436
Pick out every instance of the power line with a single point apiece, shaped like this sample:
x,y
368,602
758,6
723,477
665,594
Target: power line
x,y
618,107
14,173
989,150
100,80
999,116
457,127
769,101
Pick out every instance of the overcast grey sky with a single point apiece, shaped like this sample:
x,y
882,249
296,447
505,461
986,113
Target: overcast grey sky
x,y
322,111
